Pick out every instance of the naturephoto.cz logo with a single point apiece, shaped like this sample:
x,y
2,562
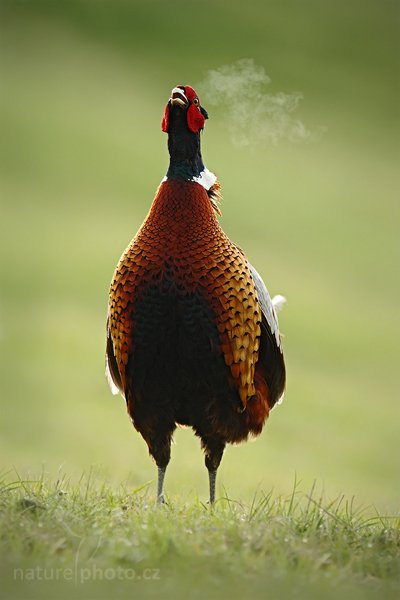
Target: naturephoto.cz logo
x,y
84,574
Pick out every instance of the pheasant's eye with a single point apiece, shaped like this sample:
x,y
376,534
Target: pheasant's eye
x,y
196,101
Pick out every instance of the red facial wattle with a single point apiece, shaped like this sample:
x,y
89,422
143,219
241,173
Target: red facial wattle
x,y
165,121
195,118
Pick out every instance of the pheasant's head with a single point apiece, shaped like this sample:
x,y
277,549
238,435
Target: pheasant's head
x,y
184,106
183,120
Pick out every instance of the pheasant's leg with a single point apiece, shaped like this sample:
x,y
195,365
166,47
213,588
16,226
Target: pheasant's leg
x,y
212,475
160,449
160,484
213,449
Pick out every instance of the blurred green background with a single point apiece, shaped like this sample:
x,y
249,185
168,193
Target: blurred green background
x,y
83,88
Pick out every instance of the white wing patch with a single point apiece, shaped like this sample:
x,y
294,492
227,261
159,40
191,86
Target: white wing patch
x,y
278,302
114,389
267,305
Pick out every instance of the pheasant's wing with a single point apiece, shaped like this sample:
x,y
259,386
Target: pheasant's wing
x,y
267,307
271,362
112,371
132,266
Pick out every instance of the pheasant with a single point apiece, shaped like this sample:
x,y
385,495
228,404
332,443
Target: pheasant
x,y
192,333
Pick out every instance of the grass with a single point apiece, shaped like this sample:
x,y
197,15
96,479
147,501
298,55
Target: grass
x,y
88,540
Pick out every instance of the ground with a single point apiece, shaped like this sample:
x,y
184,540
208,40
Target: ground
x,y
90,540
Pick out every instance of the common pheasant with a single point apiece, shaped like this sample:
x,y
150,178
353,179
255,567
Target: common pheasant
x,y
192,334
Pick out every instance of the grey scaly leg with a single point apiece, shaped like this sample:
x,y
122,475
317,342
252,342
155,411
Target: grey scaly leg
x,y
213,449
212,475
160,485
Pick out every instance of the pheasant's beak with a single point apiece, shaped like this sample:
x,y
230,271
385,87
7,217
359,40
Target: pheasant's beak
x,y
178,97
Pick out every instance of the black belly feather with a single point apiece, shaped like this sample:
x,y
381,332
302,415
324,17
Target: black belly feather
x,y
177,370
